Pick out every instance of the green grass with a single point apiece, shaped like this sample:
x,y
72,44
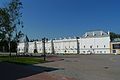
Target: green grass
x,y
21,60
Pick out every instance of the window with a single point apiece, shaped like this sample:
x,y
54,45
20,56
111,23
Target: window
x,y
104,46
116,46
114,51
97,46
90,46
84,46
100,51
65,51
83,51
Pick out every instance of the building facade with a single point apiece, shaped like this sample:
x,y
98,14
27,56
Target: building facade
x,y
115,46
93,42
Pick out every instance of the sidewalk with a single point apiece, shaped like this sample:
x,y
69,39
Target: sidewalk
x,y
47,76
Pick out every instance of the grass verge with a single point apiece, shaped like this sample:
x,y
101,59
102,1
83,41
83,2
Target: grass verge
x,y
21,60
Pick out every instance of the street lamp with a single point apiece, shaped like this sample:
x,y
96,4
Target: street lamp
x,y
78,48
44,51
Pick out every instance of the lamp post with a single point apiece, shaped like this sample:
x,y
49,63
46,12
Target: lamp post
x,y
78,48
44,51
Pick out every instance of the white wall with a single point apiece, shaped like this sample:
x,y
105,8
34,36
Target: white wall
x,y
48,47
39,46
20,47
31,47
65,46
99,45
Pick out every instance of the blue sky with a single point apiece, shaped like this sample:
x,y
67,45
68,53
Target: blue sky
x,y
68,18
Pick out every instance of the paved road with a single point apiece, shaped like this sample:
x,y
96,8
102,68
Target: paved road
x,y
87,67
10,71
13,72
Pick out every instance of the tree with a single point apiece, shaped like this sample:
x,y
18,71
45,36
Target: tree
x,y
15,17
11,23
4,23
114,35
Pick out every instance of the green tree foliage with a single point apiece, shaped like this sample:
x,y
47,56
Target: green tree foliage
x,y
4,23
11,23
114,35
13,10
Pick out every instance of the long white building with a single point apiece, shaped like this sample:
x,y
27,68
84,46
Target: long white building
x,y
94,42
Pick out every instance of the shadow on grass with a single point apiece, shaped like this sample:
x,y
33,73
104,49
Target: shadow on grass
x,y
10,71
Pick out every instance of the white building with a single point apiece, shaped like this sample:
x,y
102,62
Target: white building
x,y
97,42
21,47
115,46
39,46
94,42
67,46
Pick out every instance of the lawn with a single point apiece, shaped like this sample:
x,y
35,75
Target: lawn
x,y
21,60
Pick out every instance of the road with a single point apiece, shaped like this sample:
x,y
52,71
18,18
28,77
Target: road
x,y
87,67
66,67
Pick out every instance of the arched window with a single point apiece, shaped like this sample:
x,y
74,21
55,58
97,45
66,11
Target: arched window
x,y
90,46
84,46
104,46
97,46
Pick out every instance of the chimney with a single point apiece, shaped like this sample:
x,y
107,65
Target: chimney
x,y
60,38
69,37
93,33
74,37
86,34
65,38
101,33
108,32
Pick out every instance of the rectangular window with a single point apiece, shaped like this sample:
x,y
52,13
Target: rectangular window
x,y
104,46
90,46
97,46
84,46
83,51
116,46
114,51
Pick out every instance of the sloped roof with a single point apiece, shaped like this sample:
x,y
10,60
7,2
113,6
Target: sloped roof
x,y
96,34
